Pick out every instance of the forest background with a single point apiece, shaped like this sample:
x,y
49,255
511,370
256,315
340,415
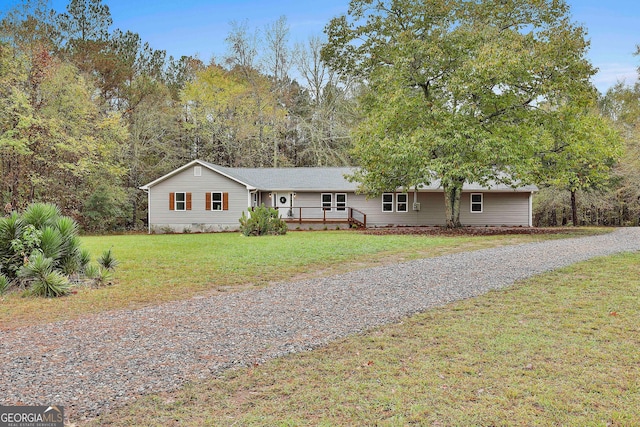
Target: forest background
x,y
89,113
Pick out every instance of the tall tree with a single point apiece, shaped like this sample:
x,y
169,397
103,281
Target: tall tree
x,y
314,71
53,137
621,104
583,148
454,87
86,20
16,119
30,27
85,32
277,60
267,115
227,116
324,124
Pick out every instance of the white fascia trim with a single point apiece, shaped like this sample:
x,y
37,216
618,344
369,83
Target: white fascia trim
x,y
170,174
531,209
188,165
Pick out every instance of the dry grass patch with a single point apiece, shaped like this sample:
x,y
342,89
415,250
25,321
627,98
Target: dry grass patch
x,y
558,349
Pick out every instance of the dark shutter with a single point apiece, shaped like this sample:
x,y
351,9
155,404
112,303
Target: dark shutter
x,y
172,201
208,201
225,201
188,201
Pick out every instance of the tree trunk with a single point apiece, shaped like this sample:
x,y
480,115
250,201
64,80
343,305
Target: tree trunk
x,y
452,192
574,209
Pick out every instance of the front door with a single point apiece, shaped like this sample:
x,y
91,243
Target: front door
x,y
284,203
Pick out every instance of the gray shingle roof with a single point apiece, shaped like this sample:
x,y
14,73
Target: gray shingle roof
x,y
297,179
329,179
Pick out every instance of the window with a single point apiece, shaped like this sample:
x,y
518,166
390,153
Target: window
x,y
327,201
217,201
476,202
341,201
197,171
401,202
387,202
180,202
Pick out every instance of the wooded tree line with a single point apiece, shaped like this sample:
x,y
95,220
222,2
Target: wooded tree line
x,y
90,113
610,196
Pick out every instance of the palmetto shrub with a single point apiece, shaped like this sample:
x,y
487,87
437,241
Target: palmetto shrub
x,y
41,214
107,261
4,284
40,249
45,282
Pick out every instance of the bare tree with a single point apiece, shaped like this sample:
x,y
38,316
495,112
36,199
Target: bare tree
x,y
313,70
242,47
277,58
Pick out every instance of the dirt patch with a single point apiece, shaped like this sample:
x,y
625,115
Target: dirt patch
x,y
468,231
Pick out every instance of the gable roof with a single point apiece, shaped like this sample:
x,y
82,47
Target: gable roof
x,y
316,179
296,179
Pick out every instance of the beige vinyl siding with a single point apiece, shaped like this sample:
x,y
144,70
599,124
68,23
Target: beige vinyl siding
x,y
198,218
508,208
498,209
431,213
431,210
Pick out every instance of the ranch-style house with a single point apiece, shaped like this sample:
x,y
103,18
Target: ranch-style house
x,y
203,197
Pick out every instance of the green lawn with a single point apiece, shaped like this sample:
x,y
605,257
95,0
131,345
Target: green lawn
x,y
159,268
560,349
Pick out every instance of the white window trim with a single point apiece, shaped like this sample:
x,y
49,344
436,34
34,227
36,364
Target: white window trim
x,y
472,203
406,202
221,201
392,202
343,205
323,204
175,201
197,171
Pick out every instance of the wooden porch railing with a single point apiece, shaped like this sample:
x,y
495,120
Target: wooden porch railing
x,y
323,215
357,218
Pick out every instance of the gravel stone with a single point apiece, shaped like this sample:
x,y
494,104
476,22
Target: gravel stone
x,y
93,364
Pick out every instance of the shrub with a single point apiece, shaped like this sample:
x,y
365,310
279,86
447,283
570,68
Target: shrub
x,y
44,280
262,221
4,284
53,284
84,258
41,214
91,271
98,275
11,256
105,210
104,277
107,260
41,249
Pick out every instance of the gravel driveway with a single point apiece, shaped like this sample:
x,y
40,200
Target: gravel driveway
x,y
92,364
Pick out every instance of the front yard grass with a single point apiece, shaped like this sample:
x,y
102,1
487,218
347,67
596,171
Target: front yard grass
x,y
159,268
557,349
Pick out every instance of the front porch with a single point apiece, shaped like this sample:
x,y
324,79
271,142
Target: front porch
x,y
323,215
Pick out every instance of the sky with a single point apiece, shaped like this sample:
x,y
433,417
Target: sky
x,y
199,27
